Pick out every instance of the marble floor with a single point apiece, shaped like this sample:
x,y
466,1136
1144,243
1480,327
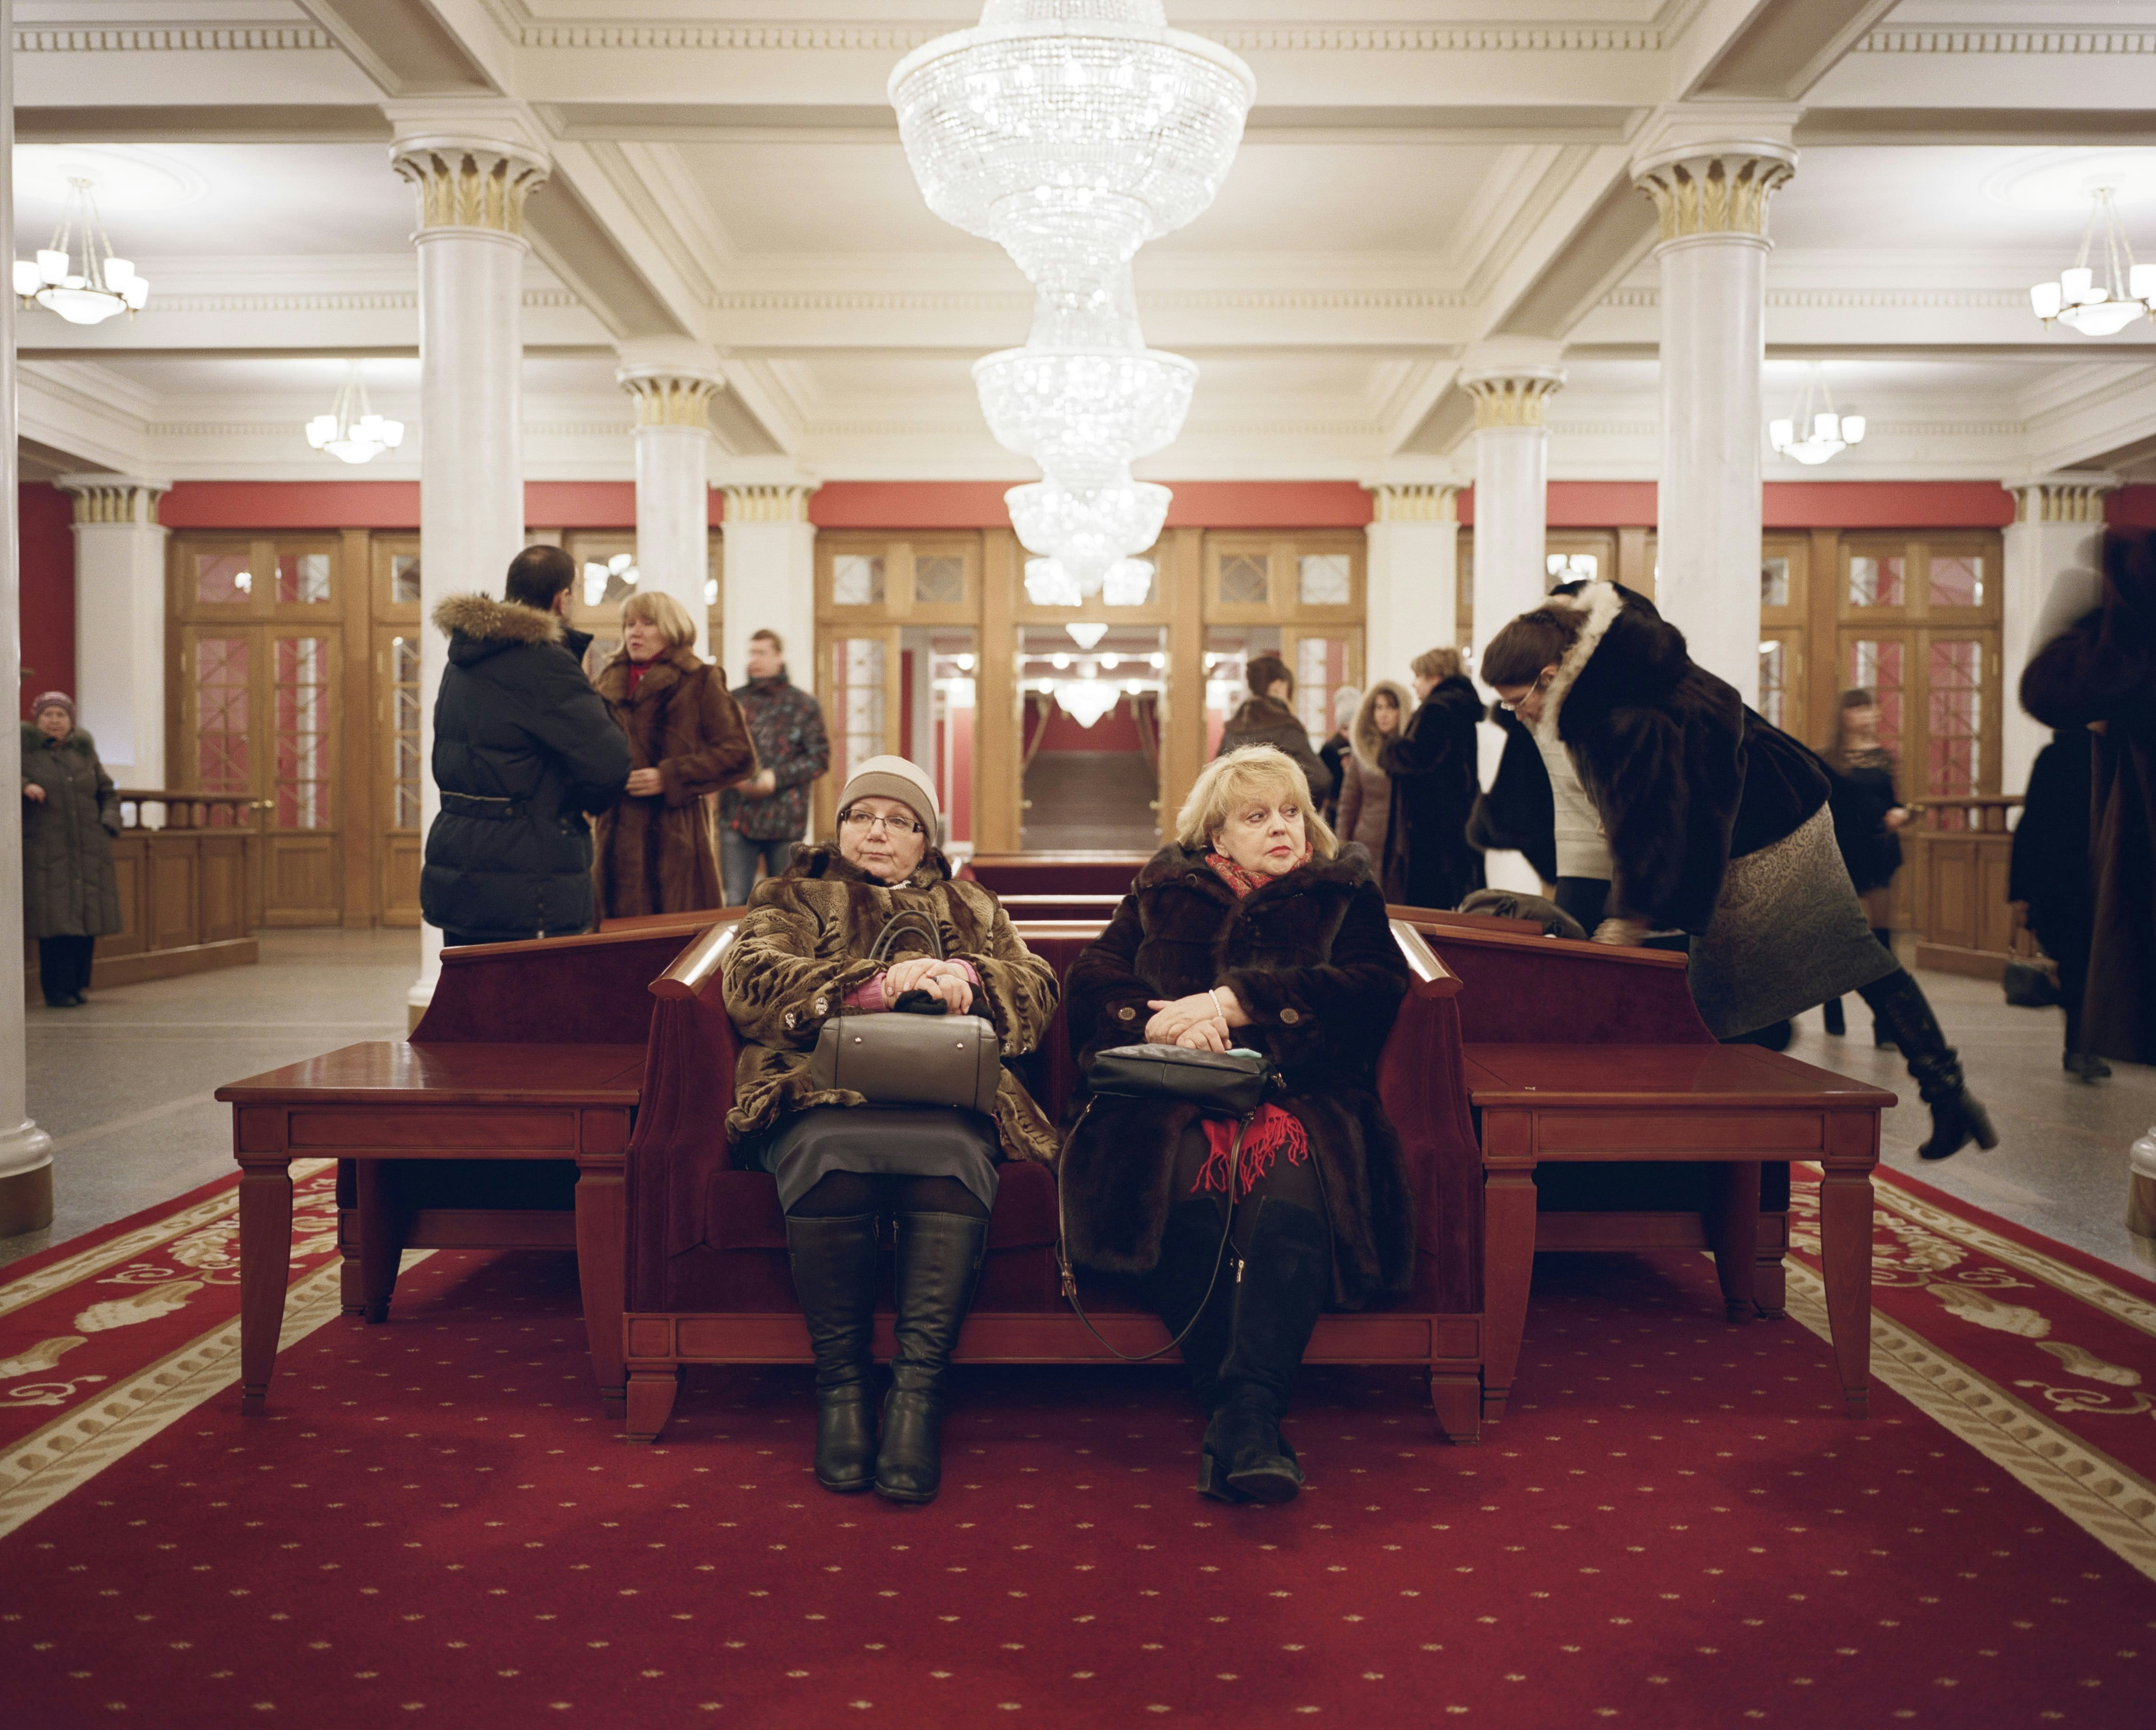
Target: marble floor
x,y
123,1086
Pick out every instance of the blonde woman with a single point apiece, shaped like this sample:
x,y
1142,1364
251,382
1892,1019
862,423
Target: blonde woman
x,y
685,739
1249,930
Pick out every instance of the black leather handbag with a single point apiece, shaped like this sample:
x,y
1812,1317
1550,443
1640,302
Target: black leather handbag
x,y
1221,1084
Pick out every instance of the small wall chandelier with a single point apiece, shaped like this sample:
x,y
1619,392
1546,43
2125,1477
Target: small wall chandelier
x,y
351,432
2078,298
1827,434
104,285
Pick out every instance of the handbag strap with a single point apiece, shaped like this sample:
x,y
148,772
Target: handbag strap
x,y
1068,1272
879,950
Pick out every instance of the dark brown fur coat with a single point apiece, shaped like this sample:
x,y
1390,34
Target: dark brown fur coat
x,y
654,854
803,946
1312,959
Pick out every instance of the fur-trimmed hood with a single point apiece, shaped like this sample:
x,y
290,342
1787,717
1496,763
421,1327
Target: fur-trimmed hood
x,y
1364,736
1653,661
34,738
478,626
824,860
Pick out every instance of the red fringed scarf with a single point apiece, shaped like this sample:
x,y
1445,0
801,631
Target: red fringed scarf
x,y
1272,1131
1243,882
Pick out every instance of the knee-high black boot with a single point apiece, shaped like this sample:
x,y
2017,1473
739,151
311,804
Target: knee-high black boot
x,y
1899,1006
834,1262
939,1259
1189,1253
1280,1287
1834,1024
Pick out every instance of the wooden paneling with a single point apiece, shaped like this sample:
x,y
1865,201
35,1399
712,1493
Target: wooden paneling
x,y
401,859
175,917
300,879
221,884
128,865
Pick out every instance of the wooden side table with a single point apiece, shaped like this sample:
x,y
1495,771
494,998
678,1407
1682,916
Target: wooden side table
x,y
386,1101
1732,1105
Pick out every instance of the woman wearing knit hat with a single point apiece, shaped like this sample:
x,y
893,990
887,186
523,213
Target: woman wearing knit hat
x,y
71,813
802,957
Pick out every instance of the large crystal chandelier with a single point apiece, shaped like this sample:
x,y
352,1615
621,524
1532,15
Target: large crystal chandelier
x,y
102,286
1071,133
2093,308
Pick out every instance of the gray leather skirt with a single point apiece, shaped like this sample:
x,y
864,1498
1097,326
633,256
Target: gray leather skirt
x,y
893,1141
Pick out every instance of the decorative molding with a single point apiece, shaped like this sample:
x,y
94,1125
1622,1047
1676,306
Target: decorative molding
x,y
782,502
2077,499
2009,42
671,399
1849,299
1354,39
1422,502
378,300
727,38
992,300
1713,190
1511,399
225,39
114,498
1951,429
471,183
1607,429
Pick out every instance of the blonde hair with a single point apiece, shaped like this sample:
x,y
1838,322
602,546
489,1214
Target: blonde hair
x,y
657,608
1255,771
1437,663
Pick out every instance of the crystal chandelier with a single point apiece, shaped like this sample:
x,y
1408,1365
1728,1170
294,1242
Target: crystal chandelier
x,y
2076,298
1071,133
351,432
103,286
1827,434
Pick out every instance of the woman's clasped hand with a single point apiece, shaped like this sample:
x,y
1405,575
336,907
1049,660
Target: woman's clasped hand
x,y
1200,1023
945,980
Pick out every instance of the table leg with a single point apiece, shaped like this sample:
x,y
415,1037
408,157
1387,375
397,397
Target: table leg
x,y
265,1269
1733,1230
1845,1259
381,1244
602,1233
1508,1266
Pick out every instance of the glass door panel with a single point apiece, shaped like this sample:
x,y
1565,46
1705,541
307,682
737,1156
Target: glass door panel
x,y
938,683
1324,663
218,667
1230,649
1954,719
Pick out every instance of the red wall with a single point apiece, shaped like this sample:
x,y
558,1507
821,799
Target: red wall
x,y
1118,730
383,504
47,568
2131,508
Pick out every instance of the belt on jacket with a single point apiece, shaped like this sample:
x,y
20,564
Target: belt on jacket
x,y
485,807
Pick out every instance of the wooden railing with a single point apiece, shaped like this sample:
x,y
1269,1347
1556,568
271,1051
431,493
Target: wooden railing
x,y
1952,892
190,871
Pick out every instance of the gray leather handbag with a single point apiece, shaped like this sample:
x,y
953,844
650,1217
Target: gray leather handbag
x,y
900,1057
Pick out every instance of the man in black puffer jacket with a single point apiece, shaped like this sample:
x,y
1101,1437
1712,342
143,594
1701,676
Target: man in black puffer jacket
x,y
524,751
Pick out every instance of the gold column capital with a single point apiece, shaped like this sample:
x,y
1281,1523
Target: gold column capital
x,y
470,183
2066,498
669,399
786,502
110,498
1513,398
1714,189
1414,501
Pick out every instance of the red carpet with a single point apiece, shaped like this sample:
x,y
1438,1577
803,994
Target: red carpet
x,y
1676,1528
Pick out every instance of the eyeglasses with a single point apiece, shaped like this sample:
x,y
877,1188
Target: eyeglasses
x,y
1513,706
874,820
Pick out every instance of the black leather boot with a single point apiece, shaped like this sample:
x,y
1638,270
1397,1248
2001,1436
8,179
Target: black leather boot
x,y
1190,1250
834,1262
1834,1024
939,1259
1898,1005
1280,1286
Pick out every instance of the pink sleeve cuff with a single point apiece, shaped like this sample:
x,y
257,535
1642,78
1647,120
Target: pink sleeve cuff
x,y
868,996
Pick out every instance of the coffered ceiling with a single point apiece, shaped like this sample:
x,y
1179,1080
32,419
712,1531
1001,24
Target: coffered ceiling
x,y
1419,176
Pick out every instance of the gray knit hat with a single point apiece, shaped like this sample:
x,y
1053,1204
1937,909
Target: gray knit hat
x,y
897,778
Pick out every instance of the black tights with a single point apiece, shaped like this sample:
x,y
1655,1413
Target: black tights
x,y
1297,1184
846,1195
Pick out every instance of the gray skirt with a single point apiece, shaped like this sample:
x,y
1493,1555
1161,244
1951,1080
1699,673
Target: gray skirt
x,y
891,1141
1788,933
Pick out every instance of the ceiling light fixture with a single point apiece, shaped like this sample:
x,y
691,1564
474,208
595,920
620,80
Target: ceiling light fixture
x,y
351,432
105,285
2078,298
1827,434
1086,700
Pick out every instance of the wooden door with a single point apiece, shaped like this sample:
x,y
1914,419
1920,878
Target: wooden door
x,y
392,725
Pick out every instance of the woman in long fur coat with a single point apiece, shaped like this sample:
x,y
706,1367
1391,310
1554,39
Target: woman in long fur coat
x,y
1366,791
654,851
1252,930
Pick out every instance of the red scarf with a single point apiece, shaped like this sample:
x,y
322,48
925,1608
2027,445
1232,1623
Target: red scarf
x,y
1272,1130
637,669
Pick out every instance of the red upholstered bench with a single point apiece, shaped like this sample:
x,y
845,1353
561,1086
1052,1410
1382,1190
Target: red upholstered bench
x,y
707,1275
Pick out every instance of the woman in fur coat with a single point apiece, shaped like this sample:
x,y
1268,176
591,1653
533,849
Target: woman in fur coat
x,y
1431,763
1366,791
1717,825
654,851
1254,930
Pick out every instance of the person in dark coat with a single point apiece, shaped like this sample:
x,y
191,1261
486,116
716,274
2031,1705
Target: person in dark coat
x,y
687,739
1432,764
1868,817
1267,717
524,752
2101,674
1253,929
2049,880
71,813
1335,752
1719,826
763,819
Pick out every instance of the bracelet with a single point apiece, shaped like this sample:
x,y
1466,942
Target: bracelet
x,y
1215,994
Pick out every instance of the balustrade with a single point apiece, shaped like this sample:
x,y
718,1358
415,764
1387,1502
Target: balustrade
x,y
1952,892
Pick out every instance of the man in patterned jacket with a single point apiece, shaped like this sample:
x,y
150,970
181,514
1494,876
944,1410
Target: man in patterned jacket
x,y
760,819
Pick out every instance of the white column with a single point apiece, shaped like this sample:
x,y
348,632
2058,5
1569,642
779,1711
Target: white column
x,y
1711,191
473,165
26,1151
1413,576
1511,482
673,383
2053,575
120,623
770,548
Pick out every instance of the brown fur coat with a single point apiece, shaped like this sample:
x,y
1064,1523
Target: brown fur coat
x,y
654,854
1311,957
803,947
